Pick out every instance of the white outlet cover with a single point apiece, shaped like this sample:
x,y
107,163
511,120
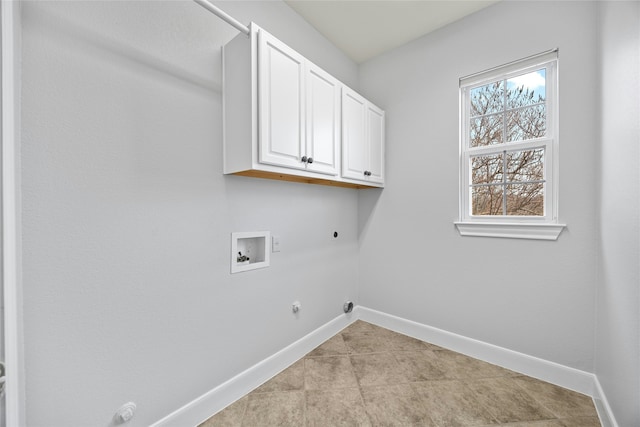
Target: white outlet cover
x,y
275,243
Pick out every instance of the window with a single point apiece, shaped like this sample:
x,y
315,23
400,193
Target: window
x,y
508,150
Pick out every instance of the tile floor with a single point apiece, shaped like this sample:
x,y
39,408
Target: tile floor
x,y
370,376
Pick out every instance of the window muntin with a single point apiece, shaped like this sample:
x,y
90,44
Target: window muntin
x,y
508,140
509,183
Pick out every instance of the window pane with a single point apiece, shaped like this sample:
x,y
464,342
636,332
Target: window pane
x,y
527,123
525,165
525,199
486,169
526,89
486,130
487,99
486,200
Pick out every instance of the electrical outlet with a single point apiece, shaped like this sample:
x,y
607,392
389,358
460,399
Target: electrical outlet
x,y
275,243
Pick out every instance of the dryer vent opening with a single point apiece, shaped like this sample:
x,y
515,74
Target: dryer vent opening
x,y
348,307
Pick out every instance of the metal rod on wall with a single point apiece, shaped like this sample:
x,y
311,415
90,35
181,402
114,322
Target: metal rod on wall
x,y
224,16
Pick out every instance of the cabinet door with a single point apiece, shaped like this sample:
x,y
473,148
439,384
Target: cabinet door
x,y
323,121
281,103
375,137
354,143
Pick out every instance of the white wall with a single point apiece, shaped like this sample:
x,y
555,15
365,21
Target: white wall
x,y
127,216
618,310
535,297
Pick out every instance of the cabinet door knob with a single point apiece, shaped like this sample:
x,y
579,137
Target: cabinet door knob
x,y
367,173
310,160
304,159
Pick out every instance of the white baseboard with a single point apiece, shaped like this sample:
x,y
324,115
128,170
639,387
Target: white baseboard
x,y
200,409
228,392
573,379
602,406
554,373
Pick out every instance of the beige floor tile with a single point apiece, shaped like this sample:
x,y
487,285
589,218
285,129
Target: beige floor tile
x,y
231,416
377,369
280,408
460,366
405,342
452,403
332,372
342,407
377,330
396,405
332,347
545,423
507,401
581,422
359,327
361,343
419,365
569,422
291,378
561,402
398,342
370,376
384,332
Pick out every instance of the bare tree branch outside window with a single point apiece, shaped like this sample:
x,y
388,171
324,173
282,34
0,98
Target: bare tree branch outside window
x,y
508,182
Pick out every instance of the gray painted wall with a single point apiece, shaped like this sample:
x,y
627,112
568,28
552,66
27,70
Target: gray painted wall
x,y
127,216
618,310
535,297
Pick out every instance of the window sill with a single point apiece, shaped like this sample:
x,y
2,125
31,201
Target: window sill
x,y
510,230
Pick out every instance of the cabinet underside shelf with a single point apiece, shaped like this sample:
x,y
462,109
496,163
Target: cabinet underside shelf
x,y
302,179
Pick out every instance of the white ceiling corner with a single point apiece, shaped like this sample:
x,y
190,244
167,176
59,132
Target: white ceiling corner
x,y
364,29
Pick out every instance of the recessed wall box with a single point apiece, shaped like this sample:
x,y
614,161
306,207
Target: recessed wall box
x,y
249,250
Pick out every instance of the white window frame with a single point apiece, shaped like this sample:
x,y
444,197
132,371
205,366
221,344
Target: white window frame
x,y
544,227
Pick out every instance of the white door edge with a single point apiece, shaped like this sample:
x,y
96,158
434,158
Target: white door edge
x,y
11,270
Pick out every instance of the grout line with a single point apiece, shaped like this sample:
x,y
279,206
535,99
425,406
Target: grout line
x,y
244,411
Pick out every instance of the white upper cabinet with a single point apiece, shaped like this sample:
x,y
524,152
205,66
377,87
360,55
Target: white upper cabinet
x,y
283,118
362,139
375,139
281,103
299,110
323,121
354,121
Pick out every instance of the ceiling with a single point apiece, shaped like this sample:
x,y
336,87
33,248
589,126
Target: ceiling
x,y
366,28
